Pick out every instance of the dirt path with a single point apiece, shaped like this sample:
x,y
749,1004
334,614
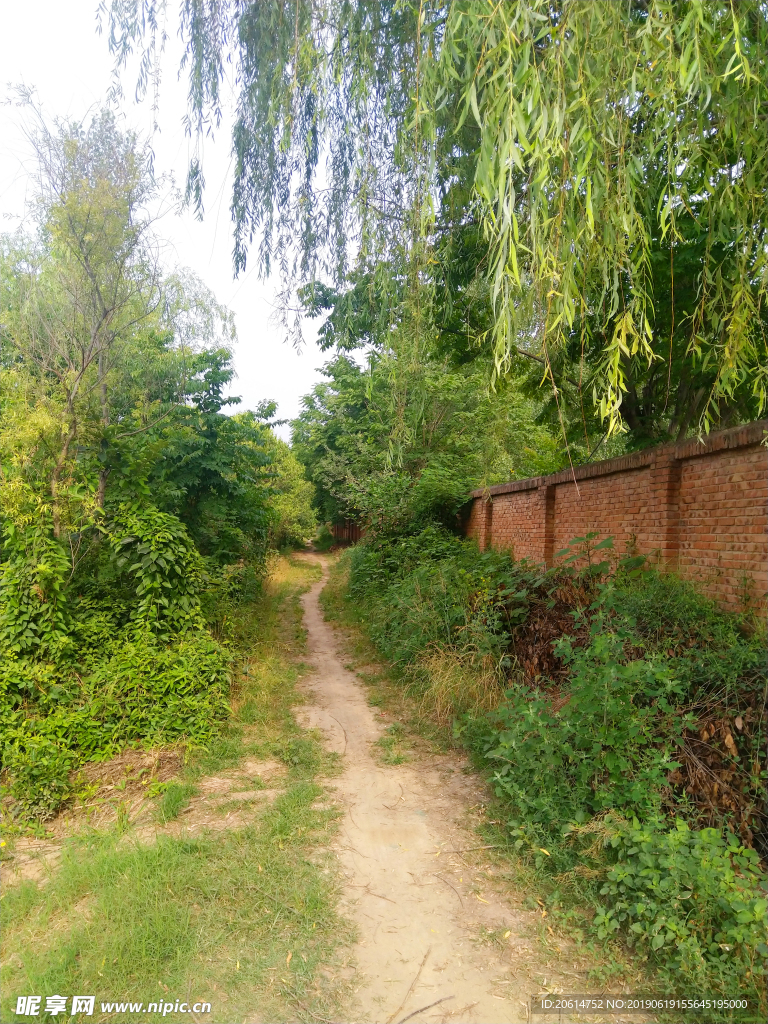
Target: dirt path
x,y
420,906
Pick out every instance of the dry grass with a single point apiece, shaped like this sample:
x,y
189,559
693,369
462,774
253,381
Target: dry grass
x,y
135,767
455,684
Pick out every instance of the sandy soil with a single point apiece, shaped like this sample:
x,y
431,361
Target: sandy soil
x,y
413,886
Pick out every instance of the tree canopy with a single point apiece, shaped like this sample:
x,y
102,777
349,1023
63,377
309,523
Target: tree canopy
x,y
590,142
399,444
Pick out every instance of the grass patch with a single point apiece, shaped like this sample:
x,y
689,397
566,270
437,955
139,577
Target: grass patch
x,y
189,919
244,919
393,745
175,797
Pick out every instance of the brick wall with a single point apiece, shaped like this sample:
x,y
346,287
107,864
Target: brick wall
x,y
700,509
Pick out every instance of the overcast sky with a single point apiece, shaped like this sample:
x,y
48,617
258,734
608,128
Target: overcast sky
x,y
54,46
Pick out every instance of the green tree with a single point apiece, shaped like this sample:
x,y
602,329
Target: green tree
x,y
92,279
632,128
112,403
406,440
293,518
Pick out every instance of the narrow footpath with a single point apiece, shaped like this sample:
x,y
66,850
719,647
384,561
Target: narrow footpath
x,y
422,906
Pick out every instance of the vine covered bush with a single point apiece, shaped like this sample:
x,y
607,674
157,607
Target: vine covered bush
x,y
144,670
33,612
155,549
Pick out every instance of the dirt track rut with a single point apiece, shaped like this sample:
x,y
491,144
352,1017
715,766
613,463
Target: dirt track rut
x,y
421,907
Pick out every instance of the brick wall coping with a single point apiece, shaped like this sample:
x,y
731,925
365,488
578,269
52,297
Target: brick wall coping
x,y
736,437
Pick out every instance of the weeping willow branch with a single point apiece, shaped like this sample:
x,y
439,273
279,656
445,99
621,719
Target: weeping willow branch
x,y
588,136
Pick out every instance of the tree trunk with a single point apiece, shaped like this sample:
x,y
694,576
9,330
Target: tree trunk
x,y
103,472
102,491
58,469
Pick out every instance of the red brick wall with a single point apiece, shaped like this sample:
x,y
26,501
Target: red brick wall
x,y
347,532
723,522
476,524
698,508
517,523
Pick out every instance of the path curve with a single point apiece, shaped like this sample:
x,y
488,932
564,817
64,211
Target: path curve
x,y
415,901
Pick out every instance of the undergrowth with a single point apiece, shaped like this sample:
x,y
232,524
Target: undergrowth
x,y
618,715
136,655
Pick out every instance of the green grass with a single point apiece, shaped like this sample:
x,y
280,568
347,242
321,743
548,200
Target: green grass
x,y
204,918
175,798
243,919
393,745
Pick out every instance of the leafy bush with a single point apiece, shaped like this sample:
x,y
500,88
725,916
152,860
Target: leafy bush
x,y
142,691
227,587
81,678
148,690
434,591
692,897
155,549
397,504
610,744
33,611
692,893
39,768
718,657
24,681
324,540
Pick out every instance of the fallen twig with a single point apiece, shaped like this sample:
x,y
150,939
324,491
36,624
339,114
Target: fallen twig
x,y
401,797
413,986
416,1012
461,901
378,897
469,849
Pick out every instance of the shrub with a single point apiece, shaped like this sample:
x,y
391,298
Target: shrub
x,y
433,591
39,768
142,691
692,897
23,680
324,540
154,548
610,743
395,504
33,611
148,690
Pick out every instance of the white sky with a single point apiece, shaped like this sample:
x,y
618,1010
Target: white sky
x,y
53,46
